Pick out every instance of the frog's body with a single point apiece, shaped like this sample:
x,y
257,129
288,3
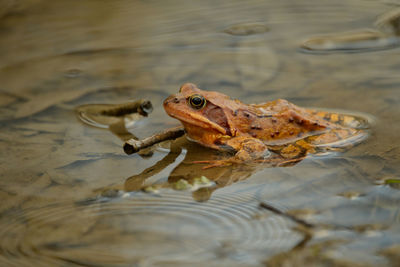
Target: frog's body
x,y
217,121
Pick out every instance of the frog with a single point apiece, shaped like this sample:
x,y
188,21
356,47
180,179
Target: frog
x,y
277,130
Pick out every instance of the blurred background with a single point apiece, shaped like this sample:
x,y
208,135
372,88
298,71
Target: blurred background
x,y
70,196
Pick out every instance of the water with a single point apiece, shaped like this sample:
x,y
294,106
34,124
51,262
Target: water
x,y
71,196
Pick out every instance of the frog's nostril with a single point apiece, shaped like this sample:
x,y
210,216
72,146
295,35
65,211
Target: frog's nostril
x,y
175,100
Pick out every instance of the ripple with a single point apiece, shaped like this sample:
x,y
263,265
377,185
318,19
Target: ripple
x,y
119,231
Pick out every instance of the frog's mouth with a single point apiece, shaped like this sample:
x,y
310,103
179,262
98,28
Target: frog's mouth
x,y
190,120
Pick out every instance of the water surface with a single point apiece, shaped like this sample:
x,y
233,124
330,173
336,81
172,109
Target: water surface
x,y
71,196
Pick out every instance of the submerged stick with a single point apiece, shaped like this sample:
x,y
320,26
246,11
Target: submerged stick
x,y
284,214
132,146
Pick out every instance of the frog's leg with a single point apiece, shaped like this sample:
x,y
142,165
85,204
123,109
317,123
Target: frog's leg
x,y
344,120
291,153
338,139
247,149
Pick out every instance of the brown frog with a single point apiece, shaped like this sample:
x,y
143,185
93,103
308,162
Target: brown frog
x,y
252,131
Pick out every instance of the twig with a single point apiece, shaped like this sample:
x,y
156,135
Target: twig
x,y
132,146
284,214
143,107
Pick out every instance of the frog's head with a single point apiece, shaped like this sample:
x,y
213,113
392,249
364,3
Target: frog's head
x,y
202,112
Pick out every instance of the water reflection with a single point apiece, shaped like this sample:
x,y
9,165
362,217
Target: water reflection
x,y
189,172
62,185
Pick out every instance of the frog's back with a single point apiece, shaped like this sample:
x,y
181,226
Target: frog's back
x,y
300,131
281,122
344,132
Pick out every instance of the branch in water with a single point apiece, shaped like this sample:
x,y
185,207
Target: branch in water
x,y
284,214
104,115
143,107
132,146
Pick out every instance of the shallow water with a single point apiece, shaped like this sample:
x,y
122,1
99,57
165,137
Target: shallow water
x,y
71,196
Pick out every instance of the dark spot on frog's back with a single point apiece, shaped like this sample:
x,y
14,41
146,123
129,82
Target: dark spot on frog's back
x,y
253,134
275,134
246,114
256,127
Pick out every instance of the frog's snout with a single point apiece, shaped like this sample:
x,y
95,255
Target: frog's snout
x,y
169,102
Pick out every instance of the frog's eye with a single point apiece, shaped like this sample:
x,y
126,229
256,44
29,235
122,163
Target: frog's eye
x,y
197,101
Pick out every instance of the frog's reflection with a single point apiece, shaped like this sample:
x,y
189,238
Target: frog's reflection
x,y
189,175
